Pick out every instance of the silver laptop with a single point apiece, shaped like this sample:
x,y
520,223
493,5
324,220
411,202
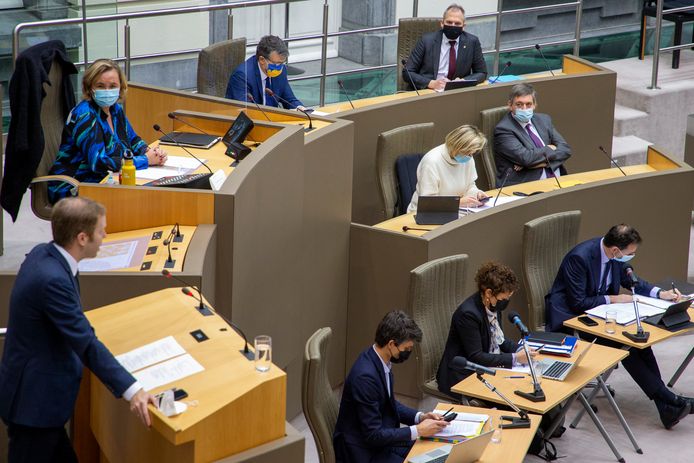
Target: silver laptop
x,y
467,451
558,369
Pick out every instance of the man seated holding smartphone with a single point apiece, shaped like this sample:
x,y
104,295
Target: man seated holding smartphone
x,y
590,275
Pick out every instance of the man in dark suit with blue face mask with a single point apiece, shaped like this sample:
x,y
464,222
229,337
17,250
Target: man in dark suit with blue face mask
x,y
590,275
527,142
368,425
445,55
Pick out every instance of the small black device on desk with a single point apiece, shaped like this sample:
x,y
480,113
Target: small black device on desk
x,y
586,320
198,181
235,136
437,210
191,140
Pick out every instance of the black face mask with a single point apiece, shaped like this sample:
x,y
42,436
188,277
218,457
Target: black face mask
x,y
402,356
500,305
452,32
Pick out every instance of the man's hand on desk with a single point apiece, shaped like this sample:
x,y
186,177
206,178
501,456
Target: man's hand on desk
x,y
429,427
670,295
437,85
138,405
620,298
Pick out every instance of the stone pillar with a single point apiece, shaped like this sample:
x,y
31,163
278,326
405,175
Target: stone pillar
x,y
368,48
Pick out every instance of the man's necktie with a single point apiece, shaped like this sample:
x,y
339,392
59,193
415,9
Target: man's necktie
x,y
603,283
451,61
538,144
267,85
77,280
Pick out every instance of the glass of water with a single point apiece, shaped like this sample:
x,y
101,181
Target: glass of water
x,y
496,436
263,352
610,321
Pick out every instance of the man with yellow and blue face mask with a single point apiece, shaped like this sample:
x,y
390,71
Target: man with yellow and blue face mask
x,y
265,70
526,142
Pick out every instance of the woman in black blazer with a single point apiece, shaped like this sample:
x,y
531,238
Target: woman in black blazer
x,y
474,334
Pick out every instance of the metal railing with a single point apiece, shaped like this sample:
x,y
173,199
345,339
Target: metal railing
x,y
656,46
323,36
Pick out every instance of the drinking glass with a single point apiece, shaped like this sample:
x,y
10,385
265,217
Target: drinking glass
x,y
263,352
610,321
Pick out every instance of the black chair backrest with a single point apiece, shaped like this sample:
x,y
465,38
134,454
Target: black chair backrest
x,y
406,169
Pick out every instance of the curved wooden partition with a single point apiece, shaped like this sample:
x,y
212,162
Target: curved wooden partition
x,y
580,101
657,202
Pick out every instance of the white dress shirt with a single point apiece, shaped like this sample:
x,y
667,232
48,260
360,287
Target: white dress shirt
x,y
263,76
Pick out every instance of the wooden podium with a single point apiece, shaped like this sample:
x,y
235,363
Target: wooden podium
x,y
237,408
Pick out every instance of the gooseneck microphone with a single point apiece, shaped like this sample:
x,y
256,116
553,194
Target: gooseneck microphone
x,y
461,363
158,129
206,310
604,151
503,184
549,166
503,71
344,90
514,318
176,118
538,48
405,228
633,279
277,97
404,66
250,97
640,335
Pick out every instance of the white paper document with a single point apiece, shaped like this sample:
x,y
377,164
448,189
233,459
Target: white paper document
x,y
111,256
660,303
151,353
182,162
474,417
168,372
625,311
320,113
461,428
489,204
175,165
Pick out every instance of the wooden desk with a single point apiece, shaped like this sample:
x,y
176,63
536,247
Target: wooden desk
x,y
597,361
657,334
514,442
157,253
396,224
228,392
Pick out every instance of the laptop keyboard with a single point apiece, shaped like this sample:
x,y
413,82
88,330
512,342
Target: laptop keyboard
x,y
556,369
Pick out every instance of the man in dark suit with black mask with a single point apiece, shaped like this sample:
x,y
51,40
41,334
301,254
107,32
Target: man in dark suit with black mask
x,y
368,425
446,54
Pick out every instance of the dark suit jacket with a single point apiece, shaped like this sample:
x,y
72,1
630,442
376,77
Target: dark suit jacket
x,y
246,79
470,336
368,424
576,286
48,341
513,146
25,140
424,59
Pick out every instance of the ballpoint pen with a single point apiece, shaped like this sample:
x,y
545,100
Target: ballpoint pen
x,y
447,412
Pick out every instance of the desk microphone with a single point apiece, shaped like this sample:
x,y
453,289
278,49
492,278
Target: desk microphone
x,y
640,335
250,97
508,172
342,86
277,97
405,228
158,129
514,318
503,71
549,166
246,353
538,48
176,118
169,260
633,279
611,160
461,363
404,65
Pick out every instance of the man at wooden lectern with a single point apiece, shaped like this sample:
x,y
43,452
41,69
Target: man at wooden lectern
x,y
49,340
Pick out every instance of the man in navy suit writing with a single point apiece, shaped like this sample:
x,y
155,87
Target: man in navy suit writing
x,y
590,275
368,425
49,340
265,70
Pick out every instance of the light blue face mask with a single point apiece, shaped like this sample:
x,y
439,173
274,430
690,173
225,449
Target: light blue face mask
x,y
106,98
462,159
624,258
523,115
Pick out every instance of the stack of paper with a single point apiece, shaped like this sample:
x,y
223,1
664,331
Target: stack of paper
x,y
489,204
565,350
465,425
625,312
